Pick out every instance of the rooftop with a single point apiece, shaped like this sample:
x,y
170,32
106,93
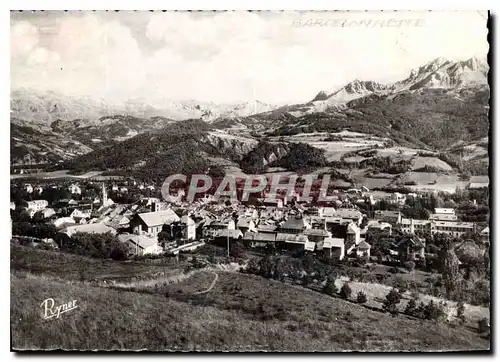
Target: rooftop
x,y
141,241
159,217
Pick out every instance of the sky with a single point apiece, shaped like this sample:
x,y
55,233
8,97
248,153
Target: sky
x,y
223,57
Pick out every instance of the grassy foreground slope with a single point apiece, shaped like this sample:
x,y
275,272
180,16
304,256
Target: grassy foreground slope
x,y
241,313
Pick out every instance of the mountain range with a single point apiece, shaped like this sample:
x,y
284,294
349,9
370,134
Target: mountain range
x,y
438,105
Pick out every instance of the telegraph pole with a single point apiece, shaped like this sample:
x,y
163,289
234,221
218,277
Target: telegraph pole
x,y
228,240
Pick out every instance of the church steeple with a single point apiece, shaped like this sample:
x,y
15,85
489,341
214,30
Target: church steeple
x,y
104,195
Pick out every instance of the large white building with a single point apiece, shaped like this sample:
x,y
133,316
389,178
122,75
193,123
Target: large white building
x,y
37,205
452,228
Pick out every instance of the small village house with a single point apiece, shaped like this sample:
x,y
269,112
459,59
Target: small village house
x,y
140,244
152,222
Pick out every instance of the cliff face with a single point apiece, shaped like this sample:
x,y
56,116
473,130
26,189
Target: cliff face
x,y
235,146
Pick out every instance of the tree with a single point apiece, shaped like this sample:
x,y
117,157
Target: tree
x,y
409,265
279,269
391,302
306,280
330,288
461,312
486,263
411,307
483,325
238,250
361,297
364,222
266,266
433,311
449,269
345,291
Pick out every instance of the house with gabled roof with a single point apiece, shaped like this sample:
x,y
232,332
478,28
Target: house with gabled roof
x,y
392,217
294,225
140,244
317,235
332,248
410,247
245,224
363,249
350,214
152,222
294,242
259,239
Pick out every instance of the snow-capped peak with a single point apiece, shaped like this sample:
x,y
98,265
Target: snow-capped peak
x,y
443,73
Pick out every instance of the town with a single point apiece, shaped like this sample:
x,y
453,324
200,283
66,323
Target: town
x,y
357,224
250,181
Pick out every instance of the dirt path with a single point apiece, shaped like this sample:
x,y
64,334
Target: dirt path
x,y
211,285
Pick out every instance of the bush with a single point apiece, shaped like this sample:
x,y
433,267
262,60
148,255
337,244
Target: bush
x,y
211,259
391,302
411,307
461,311
433,311
409,265
483,325
345,291
238,250
361,298
400,284
330,287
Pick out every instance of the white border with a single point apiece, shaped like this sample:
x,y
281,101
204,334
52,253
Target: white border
x,y
198,5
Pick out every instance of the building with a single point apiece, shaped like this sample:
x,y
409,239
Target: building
x,y
294,242
479,182
152,222
393,217
37,205
363,249
332,248
350,214
353,234
273,202
485,235
411,226
89,228
317,235
223,236
294,225
189,228
62,221
140,244
443,217
379,225
81,214
443,211
12,205
327,212
186,247
259,239
211,227
46,213
75,189
397,198
246,224
452,228
410,247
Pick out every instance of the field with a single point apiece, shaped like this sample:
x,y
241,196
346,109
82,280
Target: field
x,y
240,313
433,181
74,267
